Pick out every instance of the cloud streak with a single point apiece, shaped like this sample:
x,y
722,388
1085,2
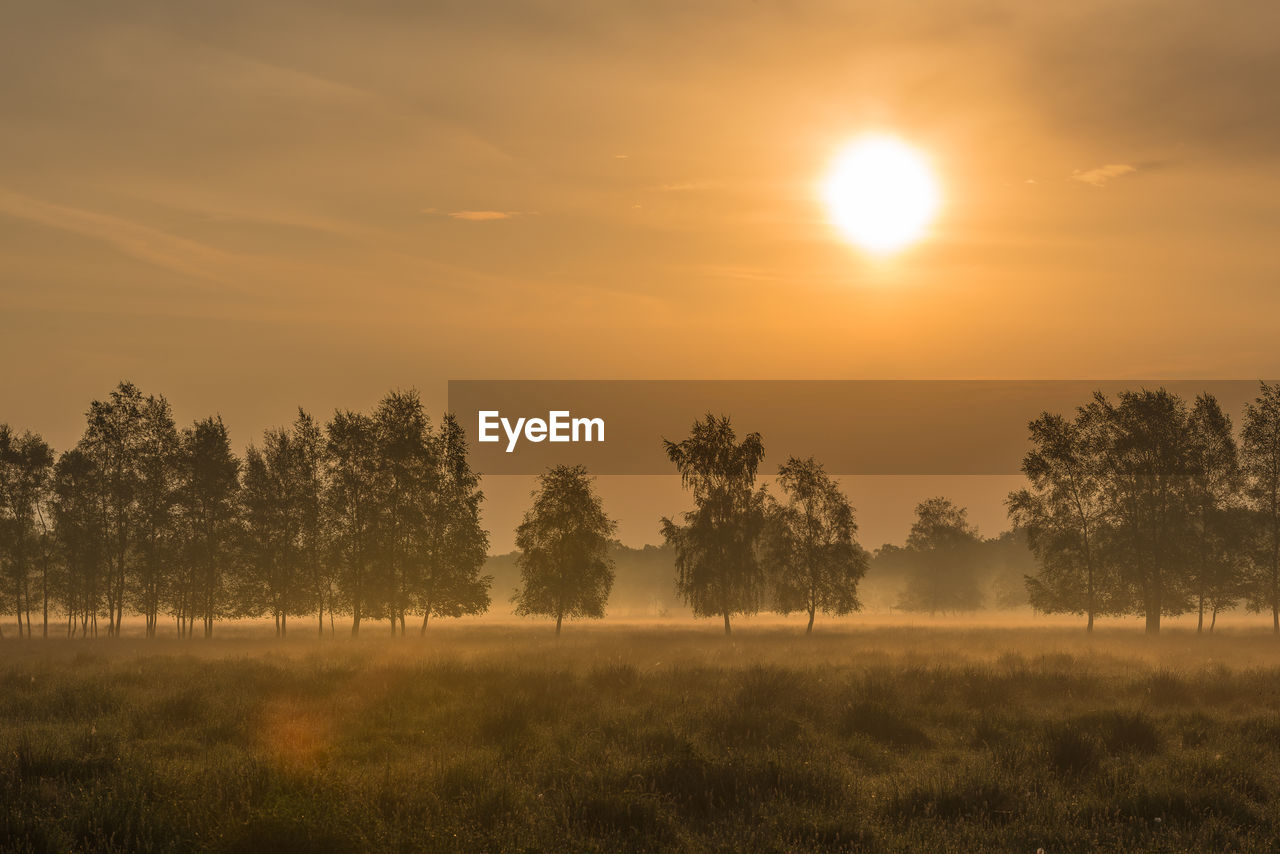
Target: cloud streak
x,y
483,216
1100,176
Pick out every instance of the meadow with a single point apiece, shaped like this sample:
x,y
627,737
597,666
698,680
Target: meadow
x,y
496,737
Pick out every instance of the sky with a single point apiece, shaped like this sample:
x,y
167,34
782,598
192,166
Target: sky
x,y
253,206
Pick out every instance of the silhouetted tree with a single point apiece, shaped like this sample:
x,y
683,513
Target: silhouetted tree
x,y
1217,554
281,498
79,515
26,469
565,568
156,459
1065,515
718,569
305,499
352,508
1260,451
1148,469
209,498
819,564
446,579
943,575
132,443
407,473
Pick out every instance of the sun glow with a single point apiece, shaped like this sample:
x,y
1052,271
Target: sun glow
x,y
881,194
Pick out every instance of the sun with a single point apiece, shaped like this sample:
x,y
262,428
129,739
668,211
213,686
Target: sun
x,y
881,193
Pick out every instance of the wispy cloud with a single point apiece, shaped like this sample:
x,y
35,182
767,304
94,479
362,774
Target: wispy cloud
x,y
151,245
483,216
684,186
1101,175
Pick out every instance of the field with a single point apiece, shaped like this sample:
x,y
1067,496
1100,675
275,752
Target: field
x,y
491,737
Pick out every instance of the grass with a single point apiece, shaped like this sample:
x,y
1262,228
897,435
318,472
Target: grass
x,y
497,738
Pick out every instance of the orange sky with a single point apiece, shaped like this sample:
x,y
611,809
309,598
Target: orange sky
x,y
250,206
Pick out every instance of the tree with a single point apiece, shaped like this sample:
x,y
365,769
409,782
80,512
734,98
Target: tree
x,y
306,503
26,469
1260,452
1148,468
407,480
718,569
209,498
819,564
79,518
155,464
446,581
943,576
1064,514
352,507
280,495
563,545
110,439
132,443
1213,490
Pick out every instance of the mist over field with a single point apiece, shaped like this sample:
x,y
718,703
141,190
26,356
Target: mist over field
x,y
635,737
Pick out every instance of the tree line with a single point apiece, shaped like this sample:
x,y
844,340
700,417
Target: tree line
x,y
1151,505
376,515
1144,505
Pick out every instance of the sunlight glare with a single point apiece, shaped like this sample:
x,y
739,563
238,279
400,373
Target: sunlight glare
x,y
881,194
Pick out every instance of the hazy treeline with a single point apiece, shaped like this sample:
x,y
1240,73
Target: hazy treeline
x,y
1152,505
375,515
1146,504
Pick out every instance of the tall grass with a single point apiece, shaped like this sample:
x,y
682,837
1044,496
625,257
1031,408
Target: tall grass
x,y
499,738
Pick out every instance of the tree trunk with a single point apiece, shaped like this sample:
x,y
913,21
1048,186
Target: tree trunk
x,y
1153,621
1089,625
809,629
355,623
728,631
426,616
1200,615
559,617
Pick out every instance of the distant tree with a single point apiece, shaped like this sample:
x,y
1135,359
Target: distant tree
x,y
819,564
446,580
305,500
1064,513
352,506
209,502
718,568
280,495
1007,560
79,518
1229,579
407,474
943,576
156,460
26,470
1213,491
563,545
111,440
1260,453
1148,468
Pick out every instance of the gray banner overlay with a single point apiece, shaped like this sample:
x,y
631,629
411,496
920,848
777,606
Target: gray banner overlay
x,y
855,427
